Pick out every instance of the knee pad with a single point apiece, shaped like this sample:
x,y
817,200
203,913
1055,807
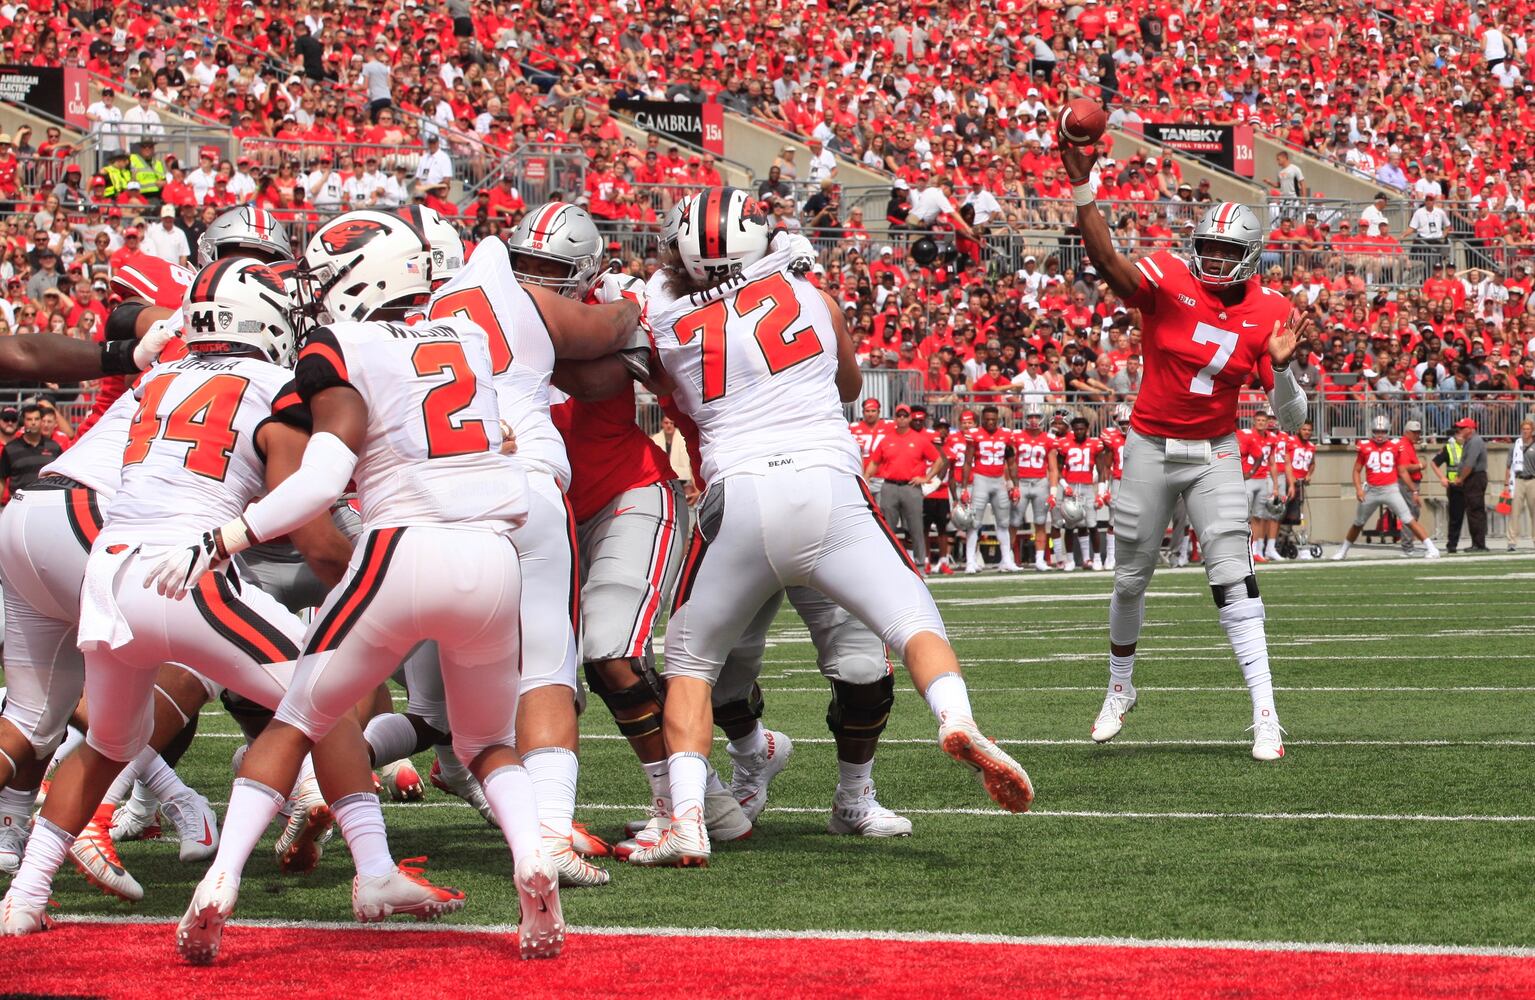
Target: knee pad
x,y
860,710
741,712
645,693
249,716
1227,594
1130,583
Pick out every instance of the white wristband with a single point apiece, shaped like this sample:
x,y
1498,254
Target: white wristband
x,y
235,536
1082,194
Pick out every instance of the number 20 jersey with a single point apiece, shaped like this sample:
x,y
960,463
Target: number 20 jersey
x,y
430,454
191,461
1198,351
755,364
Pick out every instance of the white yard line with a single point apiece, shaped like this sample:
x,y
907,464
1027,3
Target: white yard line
x,y
923,937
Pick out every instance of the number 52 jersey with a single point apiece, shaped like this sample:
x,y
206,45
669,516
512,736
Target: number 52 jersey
x,y
431,452
755,364
1199,351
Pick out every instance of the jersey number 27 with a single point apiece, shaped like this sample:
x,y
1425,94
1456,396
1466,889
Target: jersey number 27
x,y
780,348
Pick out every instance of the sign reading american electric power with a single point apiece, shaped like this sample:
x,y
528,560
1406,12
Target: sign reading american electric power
x,y
1226,146
698,124
51,90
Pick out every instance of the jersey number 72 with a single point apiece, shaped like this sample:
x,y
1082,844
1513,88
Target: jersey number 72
x,y
780,349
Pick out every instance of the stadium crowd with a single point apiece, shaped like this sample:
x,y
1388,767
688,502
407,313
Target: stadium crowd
x,y
383,104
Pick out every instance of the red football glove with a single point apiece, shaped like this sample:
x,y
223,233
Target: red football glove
x,y
1050,501
964,497
1014,493
1098,500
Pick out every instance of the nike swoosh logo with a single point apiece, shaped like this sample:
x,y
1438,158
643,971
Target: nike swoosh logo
x,y
622,510
1247,326
207,840
1223,454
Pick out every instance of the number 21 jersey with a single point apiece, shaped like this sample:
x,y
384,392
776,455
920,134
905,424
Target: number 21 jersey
x,y
755,363
1198,351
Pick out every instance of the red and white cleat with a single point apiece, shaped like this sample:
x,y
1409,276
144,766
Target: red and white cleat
x,y
683,844
201,930
587,844
96,856
1006,782
541,932
403,892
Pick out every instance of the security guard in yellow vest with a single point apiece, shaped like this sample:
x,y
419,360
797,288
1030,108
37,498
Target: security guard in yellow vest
x,y
1446,466
147,170
118,174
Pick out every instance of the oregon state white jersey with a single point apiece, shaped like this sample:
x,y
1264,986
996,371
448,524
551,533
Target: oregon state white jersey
x,y
96,459
486,293
191,461
430,454
755,364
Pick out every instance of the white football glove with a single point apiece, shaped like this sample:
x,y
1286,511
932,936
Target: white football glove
x,y
159,334
180,567
615,286
803,252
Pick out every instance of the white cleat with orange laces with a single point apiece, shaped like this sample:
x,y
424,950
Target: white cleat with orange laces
x,y
401,782
18,917
683,844
575,872
1111,717
1006,782
403,892
96,856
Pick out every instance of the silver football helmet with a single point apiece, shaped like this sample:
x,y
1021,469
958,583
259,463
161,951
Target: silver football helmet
x,y
962,516
1381,425
1227,242
1276,504
1073,514
1122,413
255,231
565,234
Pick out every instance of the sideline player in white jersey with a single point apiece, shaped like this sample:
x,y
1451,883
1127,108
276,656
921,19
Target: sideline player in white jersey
x,y
529,327
1209,327
409,413
762,363
210,431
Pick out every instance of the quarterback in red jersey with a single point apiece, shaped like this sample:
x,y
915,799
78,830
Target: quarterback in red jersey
x,y
1378,473
1208,328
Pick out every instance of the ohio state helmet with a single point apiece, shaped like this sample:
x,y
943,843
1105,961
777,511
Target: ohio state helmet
x,y
1231,224
156,281
721,231
962,516
447,246
1275,504
565,234
240,300
255,231
1073,514
362,261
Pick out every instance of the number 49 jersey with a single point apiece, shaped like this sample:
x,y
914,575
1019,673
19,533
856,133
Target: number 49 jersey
x,y
755,363
1198,351
191,461
431,452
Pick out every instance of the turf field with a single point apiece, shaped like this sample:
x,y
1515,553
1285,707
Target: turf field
x,y
1403,814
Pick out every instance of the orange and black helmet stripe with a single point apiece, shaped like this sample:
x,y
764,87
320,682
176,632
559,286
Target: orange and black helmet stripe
x,y
358,592
84,516
244,627
711,222
202,285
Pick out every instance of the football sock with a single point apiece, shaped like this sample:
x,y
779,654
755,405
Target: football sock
x,y
1243,622
750,745
513,802
160,778
689,776
142,799
46,849
972,549
361,820
1121,674
1005,545
390,737
17,803
1108,547
251,808
1429,546
852,779
1343,547
947,696
660,785
1084,550
553,772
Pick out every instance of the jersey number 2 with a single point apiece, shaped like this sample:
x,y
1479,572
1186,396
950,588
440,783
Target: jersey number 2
x,y
1203,383
444,438
780,348
204,421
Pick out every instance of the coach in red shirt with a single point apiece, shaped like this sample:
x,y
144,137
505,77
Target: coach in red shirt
x,y
905,459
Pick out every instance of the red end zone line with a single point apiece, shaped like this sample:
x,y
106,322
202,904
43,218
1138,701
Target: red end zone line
x,y
133,960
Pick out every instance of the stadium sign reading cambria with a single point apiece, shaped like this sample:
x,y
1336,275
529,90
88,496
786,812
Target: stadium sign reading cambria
x,y
1226,146
687,121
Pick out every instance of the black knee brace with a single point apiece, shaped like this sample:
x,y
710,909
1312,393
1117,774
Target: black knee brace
x,y
645,692
860,710
742,712
1224,596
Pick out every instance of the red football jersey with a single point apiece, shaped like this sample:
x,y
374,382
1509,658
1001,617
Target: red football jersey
x,y
1379,461
1114,441
1302,459
954,448
608,452
1079,459
1032,448
990,450
1255,454
1198,351
1407,455
867,437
